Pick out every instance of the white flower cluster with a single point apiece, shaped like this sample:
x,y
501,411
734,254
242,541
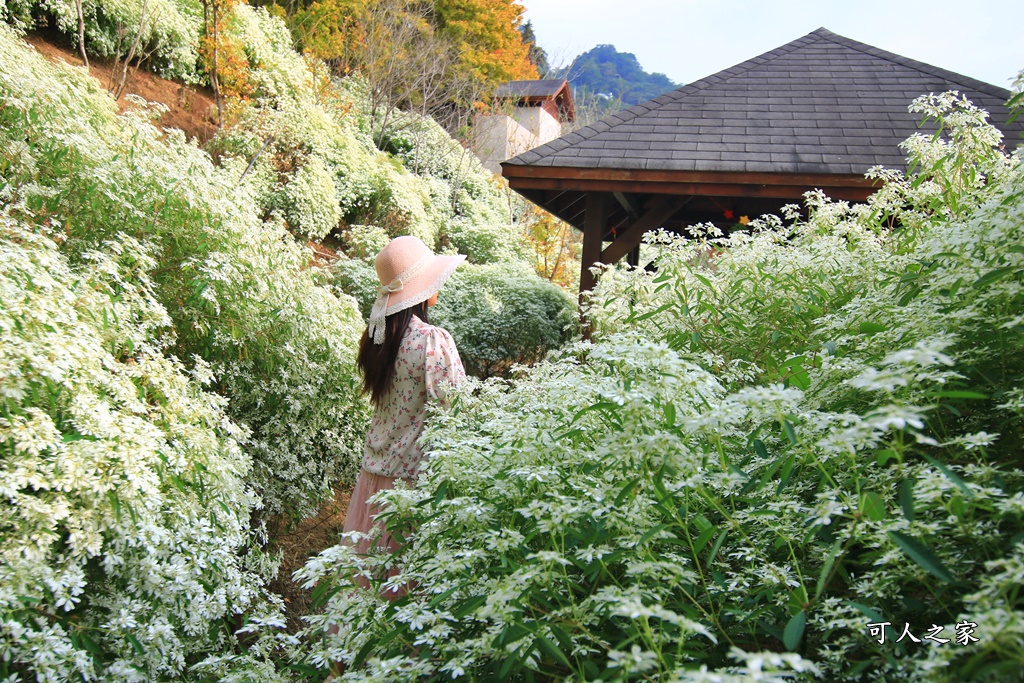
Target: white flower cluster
x,y
125,506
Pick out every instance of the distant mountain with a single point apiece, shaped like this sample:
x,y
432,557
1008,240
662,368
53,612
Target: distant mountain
x,y
605,73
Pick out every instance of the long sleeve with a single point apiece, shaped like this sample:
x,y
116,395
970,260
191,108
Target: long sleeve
x,y
443,365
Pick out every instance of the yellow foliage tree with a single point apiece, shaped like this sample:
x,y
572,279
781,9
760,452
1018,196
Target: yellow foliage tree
x,y
557,248
488,34
223,57
333,30
480,39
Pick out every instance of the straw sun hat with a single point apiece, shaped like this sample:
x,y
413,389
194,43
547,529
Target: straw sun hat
x,y
409,273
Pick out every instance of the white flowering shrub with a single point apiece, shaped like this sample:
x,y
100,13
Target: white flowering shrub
x,y
310,203
239,290
503,314
781,447
480,219
125,505
356,278
168,30
364,242
277,72
482,244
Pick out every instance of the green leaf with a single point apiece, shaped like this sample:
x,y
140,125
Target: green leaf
x,y
442,491
797,374
922,555
787,472
885,455
549,649
703,539
513,661
760,449
648,314
74,436
907,499
136,645
826,569
787,427
866,611
794,630
90,644
468,605
626,490
716,546
973,395
510,634
438,599
872,506
872,328
992,276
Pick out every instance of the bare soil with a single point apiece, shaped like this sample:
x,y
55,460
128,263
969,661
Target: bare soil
x,y
191,109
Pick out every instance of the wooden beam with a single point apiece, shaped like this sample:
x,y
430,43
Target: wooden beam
x,y
624,202
712,177
595,222
773,191
661,210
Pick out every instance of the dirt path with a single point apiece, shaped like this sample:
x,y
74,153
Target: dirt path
x,y
299,543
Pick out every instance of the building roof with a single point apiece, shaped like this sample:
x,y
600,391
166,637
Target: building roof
x,y
822,104
553,93
545,89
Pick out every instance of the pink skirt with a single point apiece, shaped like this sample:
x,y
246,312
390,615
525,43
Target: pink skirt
x,y
360,517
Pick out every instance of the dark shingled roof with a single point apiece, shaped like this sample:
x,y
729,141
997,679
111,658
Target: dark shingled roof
x,y
820,104
533,89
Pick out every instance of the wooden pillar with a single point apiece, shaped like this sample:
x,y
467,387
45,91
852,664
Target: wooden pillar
x,y
595,222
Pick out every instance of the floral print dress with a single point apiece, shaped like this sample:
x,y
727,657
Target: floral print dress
x,y
426,365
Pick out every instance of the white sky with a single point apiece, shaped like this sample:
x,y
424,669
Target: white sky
x,y
689,39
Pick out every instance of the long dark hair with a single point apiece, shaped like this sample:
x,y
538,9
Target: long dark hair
x,y
377,361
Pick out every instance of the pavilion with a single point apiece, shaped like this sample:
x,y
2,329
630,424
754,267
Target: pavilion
x,y
815,113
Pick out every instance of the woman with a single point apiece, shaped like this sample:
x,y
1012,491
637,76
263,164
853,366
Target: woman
x,y
405,362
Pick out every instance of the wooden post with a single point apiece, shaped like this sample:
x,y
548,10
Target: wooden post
x,y
595,222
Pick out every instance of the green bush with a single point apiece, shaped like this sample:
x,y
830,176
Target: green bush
x,y
501,315
757,458
310,202
357,279
484,244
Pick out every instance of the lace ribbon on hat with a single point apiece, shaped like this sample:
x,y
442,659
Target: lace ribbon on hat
x,y
380,306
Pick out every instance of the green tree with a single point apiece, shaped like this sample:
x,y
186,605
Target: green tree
x,y
605,71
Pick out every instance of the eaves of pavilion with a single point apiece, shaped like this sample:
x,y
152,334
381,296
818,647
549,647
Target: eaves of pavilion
x,y
815,113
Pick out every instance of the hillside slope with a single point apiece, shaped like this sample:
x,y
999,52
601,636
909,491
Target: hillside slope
x,y
189,108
